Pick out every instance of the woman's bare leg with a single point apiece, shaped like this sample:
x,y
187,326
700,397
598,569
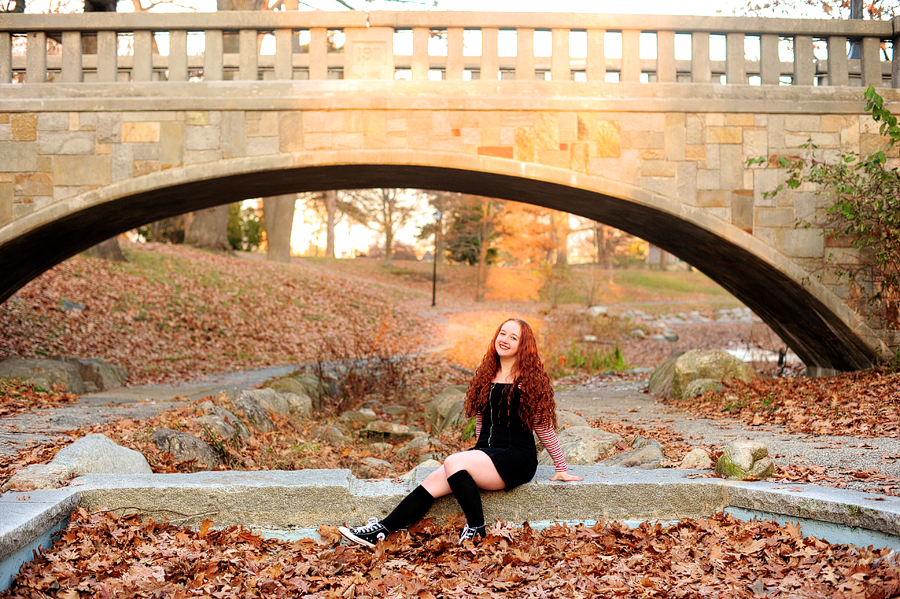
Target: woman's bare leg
x,y
476,462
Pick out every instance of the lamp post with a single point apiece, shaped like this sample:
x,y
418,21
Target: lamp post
x,y
437,232
856,12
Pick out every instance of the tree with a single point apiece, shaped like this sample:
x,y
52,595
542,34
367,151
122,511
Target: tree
x,y
209,229
472,235
278,213
525,234
108,250
864,214
385,211
246,227
838,9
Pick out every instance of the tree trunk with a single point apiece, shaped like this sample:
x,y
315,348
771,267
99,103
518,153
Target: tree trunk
x,y
388,246
331,209
481,283
209,229
107,250
278,212
562,230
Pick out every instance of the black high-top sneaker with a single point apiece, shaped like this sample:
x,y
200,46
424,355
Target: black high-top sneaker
x,y
472,533
367,535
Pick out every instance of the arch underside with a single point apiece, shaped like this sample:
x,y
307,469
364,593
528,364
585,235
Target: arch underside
x,y
818,335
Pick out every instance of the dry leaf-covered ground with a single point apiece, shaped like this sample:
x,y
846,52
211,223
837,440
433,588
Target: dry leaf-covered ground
x,y
105,555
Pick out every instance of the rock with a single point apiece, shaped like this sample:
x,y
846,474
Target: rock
x,y
637,334
566,419
97,454
589,338
300,404
373,468
329,434
648,457
44,373
670,336
675,374
222,421
185,447
38,477
641,442
427,464
596,311
271,400
396,411
582,445
745,460
392,431
362,416
381,447
696,459
658,337
97,375
304,383
418,445
446,411
701,386
253,412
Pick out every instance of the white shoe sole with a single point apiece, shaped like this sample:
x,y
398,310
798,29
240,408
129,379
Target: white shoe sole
x,y
348,534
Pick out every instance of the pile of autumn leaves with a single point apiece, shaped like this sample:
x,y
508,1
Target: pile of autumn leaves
x,y
107,555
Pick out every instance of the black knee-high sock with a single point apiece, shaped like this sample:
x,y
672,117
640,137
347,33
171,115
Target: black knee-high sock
x,y
410,510
468,495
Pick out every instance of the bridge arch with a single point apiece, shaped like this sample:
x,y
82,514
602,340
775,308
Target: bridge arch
x,y
823,331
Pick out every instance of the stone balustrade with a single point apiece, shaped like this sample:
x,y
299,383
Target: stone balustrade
x,y
251,46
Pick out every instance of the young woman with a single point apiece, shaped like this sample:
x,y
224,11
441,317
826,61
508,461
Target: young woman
x,y
510,396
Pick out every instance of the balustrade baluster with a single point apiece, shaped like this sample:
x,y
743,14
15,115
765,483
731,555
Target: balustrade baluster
x,y
420,63
596,55
249,49
769,62
318,53
71,57
178,61
665,57
107,56
560,65
455,63
631,56
214,55
284,54
735,59
36,57
804,60
525,54
838,65
142,66
5,57
490,54
871,62
700,67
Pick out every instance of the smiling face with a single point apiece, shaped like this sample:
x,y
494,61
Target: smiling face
x,y
507,343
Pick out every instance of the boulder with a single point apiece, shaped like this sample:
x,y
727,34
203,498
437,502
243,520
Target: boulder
x,y
391,431
254,412
582,445
222,421
396,411
675,374
373,468
425,465
185,447
329,434
566,419
271,400
362,416
637,334
446,411
44,373
418,445
701,386
97,375
300,404
648,457
745,460
38,477
596,311
696,459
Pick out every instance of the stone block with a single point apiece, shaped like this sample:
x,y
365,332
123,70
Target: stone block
x,y
831,123
647,139
739,120
557,158
579,157
201,156
687,183
121,162
143,167
609,142
262,146
773,217
469,136
323,122
171,146
756,143
197,118
317,141
724,135
693,130
708,180
233,133
676,136
18,156
53,143
707,198
6,203
141,132
81,170
201,138
290,131
440,123
109,128
507,136
523,148
715,119
731,166
658,168
87,121
498,151
4,118
586,124
802,122
23,127
374,127
665,186
800,243
742,210
653,154
850,133
33,184
5,132
695,153
547,131
53,121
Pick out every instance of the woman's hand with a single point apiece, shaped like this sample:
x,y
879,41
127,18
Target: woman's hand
x,y
565,477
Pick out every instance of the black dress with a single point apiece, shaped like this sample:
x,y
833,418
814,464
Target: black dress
x,y
505,439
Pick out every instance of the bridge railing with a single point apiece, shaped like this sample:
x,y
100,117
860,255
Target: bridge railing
x,y
300,45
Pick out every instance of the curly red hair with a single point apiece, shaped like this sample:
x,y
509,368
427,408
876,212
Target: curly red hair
x,y
529,376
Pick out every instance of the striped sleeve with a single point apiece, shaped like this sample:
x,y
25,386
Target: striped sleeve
x,y
477,425
548,437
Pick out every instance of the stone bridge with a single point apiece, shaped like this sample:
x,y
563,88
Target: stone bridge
x,y
111,121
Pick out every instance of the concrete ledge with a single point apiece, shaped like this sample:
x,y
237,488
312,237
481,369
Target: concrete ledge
x,y
304,499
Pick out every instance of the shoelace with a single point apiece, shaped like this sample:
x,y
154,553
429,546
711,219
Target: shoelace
x,y
468,532
372,526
